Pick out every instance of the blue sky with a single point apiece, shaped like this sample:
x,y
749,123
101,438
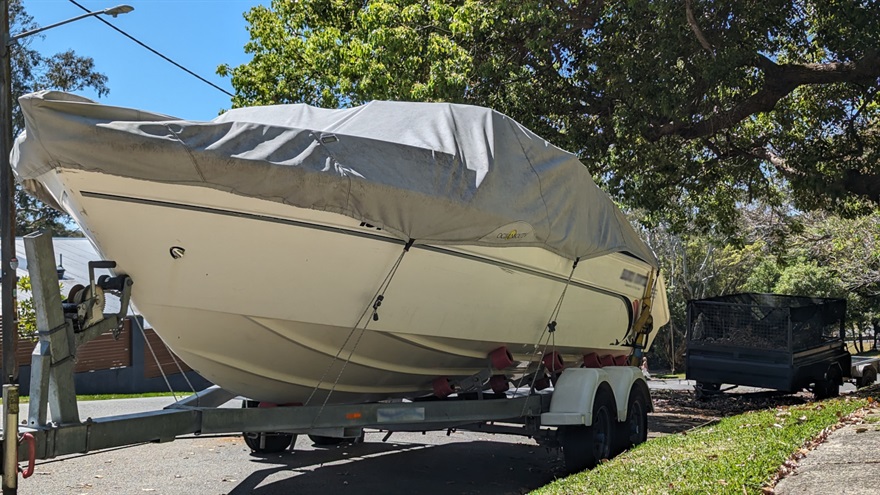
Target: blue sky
x,y
198,34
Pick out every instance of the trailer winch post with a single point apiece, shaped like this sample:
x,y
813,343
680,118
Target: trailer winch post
x,y
52,362
10,439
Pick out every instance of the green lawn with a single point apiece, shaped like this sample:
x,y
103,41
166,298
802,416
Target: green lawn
x,y
668,376
24,399
737,455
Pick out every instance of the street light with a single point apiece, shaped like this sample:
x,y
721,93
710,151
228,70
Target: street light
x,y
112,11
7,188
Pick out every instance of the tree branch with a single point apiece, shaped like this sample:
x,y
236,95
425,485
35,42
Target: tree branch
x,y
854,180
779,81
692,22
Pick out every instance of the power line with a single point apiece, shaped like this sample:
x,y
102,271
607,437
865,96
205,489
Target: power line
x,y
200,78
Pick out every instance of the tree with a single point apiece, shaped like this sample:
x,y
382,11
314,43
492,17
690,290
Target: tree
x,y
815,255
696,266
830,257
685,108
32,71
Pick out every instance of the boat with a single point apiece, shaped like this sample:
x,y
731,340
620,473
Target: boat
x,y
293,254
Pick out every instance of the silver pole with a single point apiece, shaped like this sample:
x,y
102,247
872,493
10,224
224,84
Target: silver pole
x,y
10,439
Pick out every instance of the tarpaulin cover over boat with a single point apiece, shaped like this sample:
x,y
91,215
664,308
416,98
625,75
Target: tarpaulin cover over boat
x,y
434,172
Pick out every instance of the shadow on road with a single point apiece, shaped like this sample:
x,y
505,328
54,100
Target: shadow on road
x,y
470,467
480,467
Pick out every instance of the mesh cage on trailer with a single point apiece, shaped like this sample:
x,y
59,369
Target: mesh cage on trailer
x,y
766,321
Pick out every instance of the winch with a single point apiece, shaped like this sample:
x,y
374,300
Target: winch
x,y
85,304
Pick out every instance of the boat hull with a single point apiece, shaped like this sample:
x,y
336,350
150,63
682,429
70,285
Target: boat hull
x,y
275,302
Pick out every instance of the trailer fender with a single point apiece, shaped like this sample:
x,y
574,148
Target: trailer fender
x,y
573,396
622,379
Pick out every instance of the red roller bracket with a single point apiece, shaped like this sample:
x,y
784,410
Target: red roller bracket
x,y
499,384
501,358
32,454
607,360
591,360
442,387
553,361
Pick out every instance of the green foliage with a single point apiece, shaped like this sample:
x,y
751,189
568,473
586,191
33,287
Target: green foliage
x,y
27,315
808,278
814,255
696,266
687,120
764,276
737,455
32,71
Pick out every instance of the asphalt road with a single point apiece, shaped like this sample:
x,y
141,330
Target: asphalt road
x,y
463,462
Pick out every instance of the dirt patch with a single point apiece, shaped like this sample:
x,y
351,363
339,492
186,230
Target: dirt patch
x,y
676,411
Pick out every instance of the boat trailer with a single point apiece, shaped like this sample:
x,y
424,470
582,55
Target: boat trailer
x,y
598,411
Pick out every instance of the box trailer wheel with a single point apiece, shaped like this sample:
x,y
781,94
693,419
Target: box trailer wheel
x,y
829,385
869,376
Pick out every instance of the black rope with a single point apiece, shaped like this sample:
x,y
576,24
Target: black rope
x,y
377,299
200,78
549,330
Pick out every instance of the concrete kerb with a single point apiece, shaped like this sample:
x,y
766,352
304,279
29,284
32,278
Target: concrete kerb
x,y
848,461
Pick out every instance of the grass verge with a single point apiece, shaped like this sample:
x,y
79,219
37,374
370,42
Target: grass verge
x,y
180,395
24,399
737,455
668,376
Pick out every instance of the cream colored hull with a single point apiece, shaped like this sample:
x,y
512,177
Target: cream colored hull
x,y
266,295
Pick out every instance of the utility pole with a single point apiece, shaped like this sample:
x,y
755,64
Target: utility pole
x,y
7,205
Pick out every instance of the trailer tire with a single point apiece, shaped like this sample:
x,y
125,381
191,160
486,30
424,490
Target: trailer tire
x,y
704,390
869,376
829,385
585,446
634,430
274,442
325,441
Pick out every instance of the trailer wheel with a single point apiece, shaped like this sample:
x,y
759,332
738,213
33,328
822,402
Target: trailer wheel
x,y
584,446
829,385
634,430
869,376
268,443
703,390
325,441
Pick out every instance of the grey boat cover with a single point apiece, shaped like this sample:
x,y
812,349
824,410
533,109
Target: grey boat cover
x,y
437,173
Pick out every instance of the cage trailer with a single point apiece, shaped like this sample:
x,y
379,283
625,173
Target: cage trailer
x,y
781,342
591,413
